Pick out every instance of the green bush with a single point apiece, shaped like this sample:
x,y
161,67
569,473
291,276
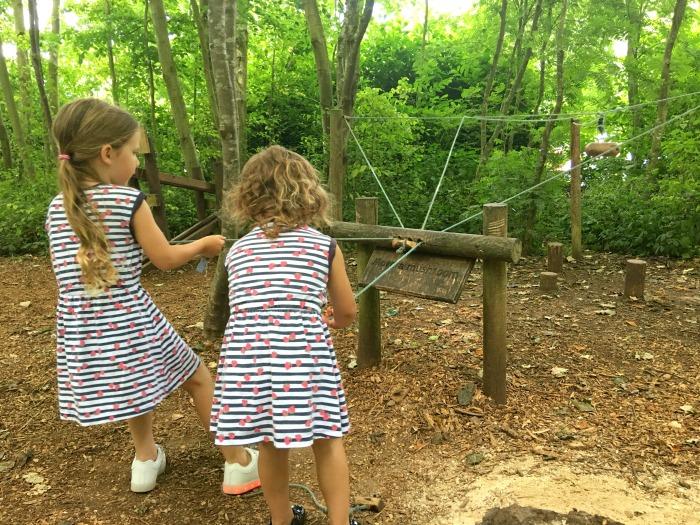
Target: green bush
x,y
22,214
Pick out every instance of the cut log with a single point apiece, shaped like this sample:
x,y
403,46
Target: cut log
x,y
548,281
635,273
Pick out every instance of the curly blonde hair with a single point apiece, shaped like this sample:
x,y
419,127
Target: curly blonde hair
x,y
278,190
80,129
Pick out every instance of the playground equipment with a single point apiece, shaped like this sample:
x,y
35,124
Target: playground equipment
x,y
437,270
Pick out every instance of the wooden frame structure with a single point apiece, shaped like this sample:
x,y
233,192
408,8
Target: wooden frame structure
x,y
494,248
156,179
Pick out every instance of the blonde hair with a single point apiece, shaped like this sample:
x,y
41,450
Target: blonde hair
x,y
80,129
278,190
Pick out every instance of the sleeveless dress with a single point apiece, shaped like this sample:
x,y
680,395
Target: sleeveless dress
x,y
117,356
278,379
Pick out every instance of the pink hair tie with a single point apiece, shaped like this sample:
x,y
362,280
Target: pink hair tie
x,y
63,156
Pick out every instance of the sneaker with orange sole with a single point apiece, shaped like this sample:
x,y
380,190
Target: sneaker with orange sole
x,y
239,479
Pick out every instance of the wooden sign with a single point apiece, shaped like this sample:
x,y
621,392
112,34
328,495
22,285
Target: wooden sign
x,y
433,277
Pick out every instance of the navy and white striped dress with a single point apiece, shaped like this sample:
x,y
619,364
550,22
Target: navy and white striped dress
x,y
116,354
278,379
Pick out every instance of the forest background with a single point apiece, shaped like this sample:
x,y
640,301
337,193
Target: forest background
x,y
526,59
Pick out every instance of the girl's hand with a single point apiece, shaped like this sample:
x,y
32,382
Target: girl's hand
x,y
328,317
212,245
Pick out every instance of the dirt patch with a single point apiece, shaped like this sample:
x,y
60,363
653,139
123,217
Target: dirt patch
x,y
558,487
603,402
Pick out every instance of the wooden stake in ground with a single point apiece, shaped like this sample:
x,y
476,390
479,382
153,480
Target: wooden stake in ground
x,y
635,273
548,281
575,190
555,257
495,280
369,341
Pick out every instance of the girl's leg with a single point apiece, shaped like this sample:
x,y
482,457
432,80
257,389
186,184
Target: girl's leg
x,y
333,477
141,428
273,466
200,387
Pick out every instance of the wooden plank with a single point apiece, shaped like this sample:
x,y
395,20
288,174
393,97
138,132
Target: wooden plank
x,y
421,275
463,245
180,182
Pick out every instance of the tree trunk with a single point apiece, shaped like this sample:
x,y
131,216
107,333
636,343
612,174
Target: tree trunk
x,y
492,73
15,119
635,19
110,51
543,67
200,18
355,22
52,84
39,75
151,80
515,86
240,76
662,106
421,56
323,65
22,66
5,146
225,87
177,102
544,147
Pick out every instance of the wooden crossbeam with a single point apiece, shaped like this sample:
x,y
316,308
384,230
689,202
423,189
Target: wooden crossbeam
x,y
179,182
463,245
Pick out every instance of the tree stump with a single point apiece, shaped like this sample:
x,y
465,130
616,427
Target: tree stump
x,y
635,273
548,281
555,257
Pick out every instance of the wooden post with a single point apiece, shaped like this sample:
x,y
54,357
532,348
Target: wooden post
x,y
548,281
369,342
555,257
575,189
494,315
634,278
336,162
153,179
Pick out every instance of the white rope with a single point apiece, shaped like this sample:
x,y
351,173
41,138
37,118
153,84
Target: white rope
x,y
374,173
442,176
524,117
587,161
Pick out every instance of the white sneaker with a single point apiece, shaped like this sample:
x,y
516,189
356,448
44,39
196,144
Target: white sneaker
x,y
239,479
145,473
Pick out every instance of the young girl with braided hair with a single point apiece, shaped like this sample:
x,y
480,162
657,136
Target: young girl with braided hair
x,y
117,356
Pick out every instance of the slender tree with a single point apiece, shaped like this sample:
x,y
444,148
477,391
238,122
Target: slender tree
x,y
150,77
492,72
356,18
15,119
39,75
177,102
200,16
110,50
549,126
22,43
5,148
635,11
52,80
662,106
225,24
514,87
